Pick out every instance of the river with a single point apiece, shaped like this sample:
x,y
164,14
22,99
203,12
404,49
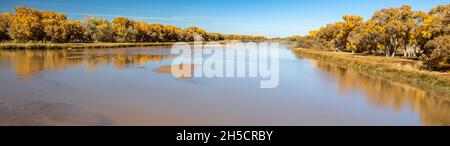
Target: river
x,y
125,86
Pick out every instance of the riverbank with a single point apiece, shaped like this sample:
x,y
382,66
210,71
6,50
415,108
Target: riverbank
x,y
76,45
12,46
396,69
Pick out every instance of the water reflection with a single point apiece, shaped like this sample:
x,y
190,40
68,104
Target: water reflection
x,y
433,109
28,63
185,71
134,86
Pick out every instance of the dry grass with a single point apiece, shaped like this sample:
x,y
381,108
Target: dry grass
x,y
396,69
75,45
38,45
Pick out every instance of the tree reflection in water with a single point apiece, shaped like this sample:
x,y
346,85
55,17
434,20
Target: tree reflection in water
x,y
28,63
434,109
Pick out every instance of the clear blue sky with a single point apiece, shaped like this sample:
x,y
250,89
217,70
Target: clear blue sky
x,y
271,18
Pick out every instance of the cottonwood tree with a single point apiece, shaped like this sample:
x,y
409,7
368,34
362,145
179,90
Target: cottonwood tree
x,y
324,35
358,39
349,24
125,30
5,22
53,24
190,32
374,36
215,36
143,31
172,34
73,31
395,22
440,24
337,33
391,31
439,59
99,30
410,23
26,25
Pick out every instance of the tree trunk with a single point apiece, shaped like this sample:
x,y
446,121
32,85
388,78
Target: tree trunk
x,y
393,53
388,52
410,51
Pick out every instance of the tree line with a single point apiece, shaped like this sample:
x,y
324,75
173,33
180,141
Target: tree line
x,y
29,24
390,32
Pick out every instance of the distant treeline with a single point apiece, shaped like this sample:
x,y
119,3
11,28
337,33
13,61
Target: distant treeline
x,y
390,32
28,24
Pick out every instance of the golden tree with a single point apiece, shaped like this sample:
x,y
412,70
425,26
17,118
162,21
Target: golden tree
x,y
26,25
98,29
5,21
53,24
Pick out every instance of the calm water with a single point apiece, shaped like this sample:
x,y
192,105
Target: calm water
x,y
122,87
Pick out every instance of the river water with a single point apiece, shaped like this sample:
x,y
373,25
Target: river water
x,y
128,86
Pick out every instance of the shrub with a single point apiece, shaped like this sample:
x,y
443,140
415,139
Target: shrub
x,y
439,59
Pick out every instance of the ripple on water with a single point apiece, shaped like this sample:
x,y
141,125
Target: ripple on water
x,y
44,113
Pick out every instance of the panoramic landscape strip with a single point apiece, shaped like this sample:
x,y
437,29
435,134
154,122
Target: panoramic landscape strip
x,y
391,32
290,63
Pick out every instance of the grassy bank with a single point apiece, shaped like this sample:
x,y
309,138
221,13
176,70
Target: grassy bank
x,y
396,69
75,45
9,45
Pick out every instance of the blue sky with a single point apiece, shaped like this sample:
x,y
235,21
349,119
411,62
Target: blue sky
x,y
271,18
